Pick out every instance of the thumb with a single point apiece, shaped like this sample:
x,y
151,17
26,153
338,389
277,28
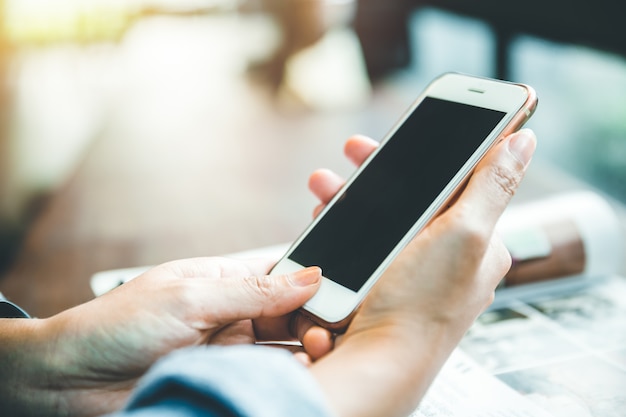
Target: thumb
x,y
497,177
253,297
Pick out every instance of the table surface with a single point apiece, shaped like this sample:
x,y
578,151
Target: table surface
x,y
197,160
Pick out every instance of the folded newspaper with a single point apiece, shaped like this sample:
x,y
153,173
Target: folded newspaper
x,y
553,344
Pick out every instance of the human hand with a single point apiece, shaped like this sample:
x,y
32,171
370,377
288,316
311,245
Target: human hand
x,y
421,307
96,352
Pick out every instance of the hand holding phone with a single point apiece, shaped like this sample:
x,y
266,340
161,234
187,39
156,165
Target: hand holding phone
x,y
426,300
411,178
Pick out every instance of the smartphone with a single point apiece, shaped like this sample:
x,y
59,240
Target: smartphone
x,y
415,173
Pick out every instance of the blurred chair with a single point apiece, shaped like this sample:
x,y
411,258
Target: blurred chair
x,y
382,29
302,23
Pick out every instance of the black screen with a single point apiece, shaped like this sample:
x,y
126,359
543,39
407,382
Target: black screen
x,y
394,190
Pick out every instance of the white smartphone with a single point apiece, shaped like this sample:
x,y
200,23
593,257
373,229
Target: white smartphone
x,y
413,176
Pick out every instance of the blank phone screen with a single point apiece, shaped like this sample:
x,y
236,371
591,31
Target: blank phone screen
x,y
394,190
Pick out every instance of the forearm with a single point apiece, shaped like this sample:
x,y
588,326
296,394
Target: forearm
x,y
26,376
386,375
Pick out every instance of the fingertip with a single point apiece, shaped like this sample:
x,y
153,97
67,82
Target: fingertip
x,y
317,342
306,277
324,184
357,148
317,179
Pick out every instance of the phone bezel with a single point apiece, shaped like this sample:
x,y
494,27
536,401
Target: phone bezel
x,y
333,304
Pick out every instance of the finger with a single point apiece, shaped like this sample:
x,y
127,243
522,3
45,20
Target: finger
x,y
316,340
358,148
324,184
224,301
318,209
273,328
496,179
288,327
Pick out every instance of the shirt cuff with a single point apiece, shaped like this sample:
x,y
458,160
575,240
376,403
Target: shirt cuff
x,y
241,381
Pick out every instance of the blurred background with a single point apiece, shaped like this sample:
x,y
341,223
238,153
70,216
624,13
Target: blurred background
x,y
219,88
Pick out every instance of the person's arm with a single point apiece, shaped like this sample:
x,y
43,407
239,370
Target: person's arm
x,y
24,367
87,360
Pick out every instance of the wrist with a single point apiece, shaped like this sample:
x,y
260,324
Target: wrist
x,y
391,365
26,348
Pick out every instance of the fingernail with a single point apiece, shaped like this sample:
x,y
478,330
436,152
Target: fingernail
x,y
522,146
306,277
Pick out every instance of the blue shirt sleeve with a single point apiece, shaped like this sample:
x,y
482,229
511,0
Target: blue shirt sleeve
x,y
234,381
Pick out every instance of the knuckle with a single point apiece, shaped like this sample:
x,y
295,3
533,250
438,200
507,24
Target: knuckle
x,y
470,233
491,296
507,262
506,180
503,259
261,286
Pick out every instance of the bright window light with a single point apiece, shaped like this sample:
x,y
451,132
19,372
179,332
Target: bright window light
x,y
47,21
